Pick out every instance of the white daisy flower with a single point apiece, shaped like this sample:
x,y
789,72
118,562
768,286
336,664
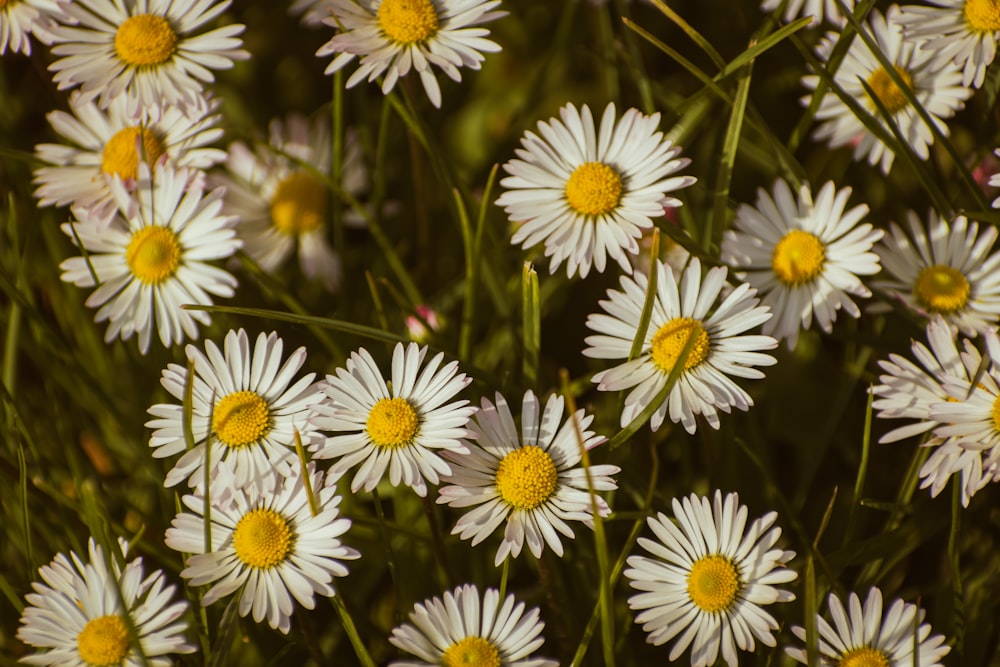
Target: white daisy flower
x,y
154,52
528,480
268,548
102,145
994,178
463,628
282,206
818,9
682,309
937,86
963,32
152,259
865,636
253,401
392,36
588,193
313,11
803,257
21,18
394,426
75,614
947,270
710,579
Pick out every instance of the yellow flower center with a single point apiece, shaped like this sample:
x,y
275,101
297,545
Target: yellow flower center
x,y
594,188
996,414
298,204
145,39
392,422
121,157
713,583
864,657
471,652
262,538
670,340
153,254
941,289
408,21
982,15
527,477
886,90
103,641
241,418
798,257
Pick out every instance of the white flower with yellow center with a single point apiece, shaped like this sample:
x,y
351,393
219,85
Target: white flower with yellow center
x,y
865,637
102,145
681,309
463,629
246,402
153,256
803,257
269,548
282,205
75,617
588,193
936,85
963,32
393,36
818,9
709,579
21,18
947,270
528,481
154,52
397,427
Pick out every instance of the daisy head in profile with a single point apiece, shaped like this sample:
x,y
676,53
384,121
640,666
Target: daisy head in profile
x,y
391,37
587,193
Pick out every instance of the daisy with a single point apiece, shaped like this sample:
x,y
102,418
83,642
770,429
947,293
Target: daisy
x,y
75,614
151,260
466,629
994,179
937,86
818,9
101,145
391,36
282,206
803,257
253,401
865,636
528,480
945,269
709,579
20,18
589,193
964,32
268,548
154,52
394,426
682,309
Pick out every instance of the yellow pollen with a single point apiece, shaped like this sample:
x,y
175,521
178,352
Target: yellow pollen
x,y
241,418
392,422
798,258
298,204
982,15
471,652
121,157
886,90
527,477
594,188
864,657
996,414
145,39
713,583
153,254
669,342
103,641
262,538
408,21
941,289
